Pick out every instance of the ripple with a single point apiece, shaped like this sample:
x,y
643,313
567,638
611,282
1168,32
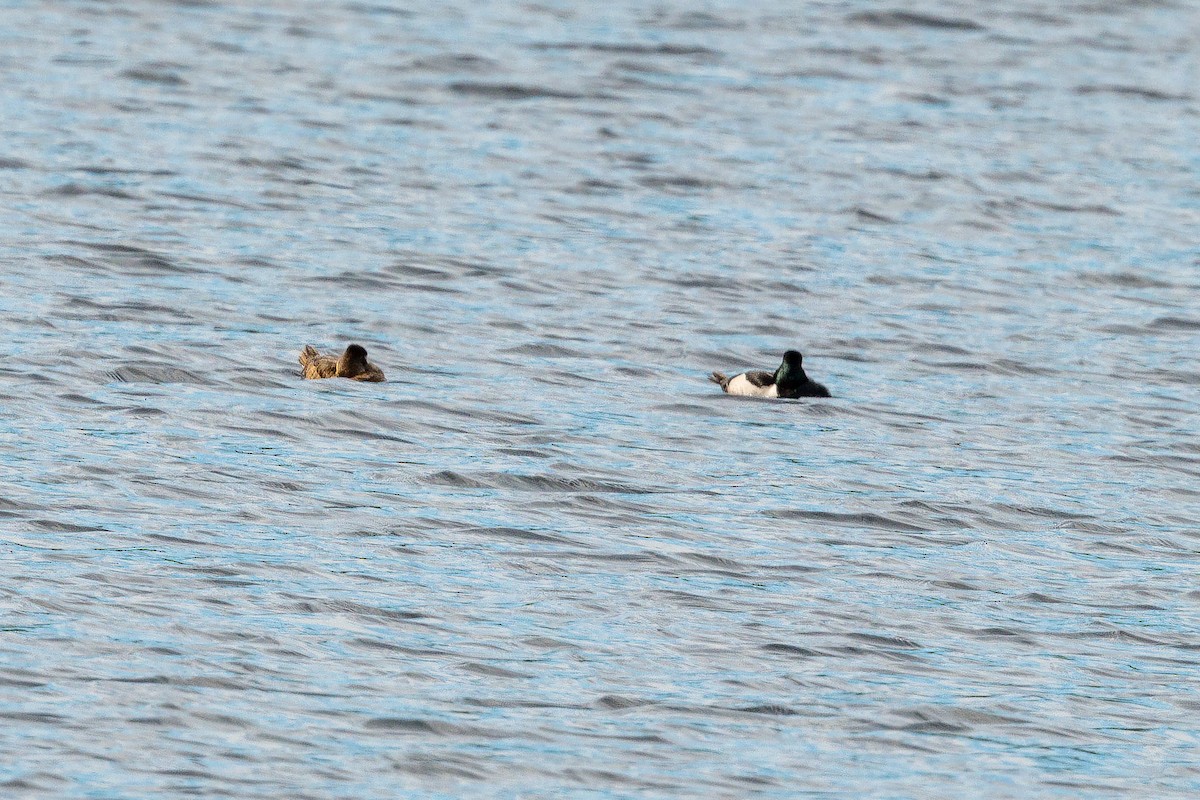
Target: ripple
x,y
908,19
546,556
511,91
532,483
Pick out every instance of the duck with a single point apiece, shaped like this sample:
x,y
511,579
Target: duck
x,y
352,364
787,382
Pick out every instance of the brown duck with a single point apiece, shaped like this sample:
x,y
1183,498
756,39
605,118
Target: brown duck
x,y
353,364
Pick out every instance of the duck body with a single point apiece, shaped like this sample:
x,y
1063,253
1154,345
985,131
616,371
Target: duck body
x,y
351,364
755,383
788,382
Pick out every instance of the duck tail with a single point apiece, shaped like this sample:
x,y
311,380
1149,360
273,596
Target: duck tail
x,y
307,354
719,379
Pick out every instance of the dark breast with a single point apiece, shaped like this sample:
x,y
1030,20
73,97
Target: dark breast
x,y
806,389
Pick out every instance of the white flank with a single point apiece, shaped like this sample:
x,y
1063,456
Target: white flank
x,y
739,385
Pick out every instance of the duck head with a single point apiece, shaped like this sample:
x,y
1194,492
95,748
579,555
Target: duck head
x,y
353,361
792,368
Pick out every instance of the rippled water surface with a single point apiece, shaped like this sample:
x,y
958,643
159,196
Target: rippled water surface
x,y
547,558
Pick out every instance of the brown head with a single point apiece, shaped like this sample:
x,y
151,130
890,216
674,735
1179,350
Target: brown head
x,y
354,364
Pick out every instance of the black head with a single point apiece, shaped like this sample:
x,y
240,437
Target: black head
x,y
355,352
791,371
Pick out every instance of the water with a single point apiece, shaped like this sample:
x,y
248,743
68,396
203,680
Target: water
x,y
547,558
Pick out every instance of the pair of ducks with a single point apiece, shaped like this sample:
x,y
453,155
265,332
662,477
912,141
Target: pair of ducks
x,y
788,381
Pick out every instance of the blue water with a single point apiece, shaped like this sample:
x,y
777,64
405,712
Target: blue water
x,y
547,558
